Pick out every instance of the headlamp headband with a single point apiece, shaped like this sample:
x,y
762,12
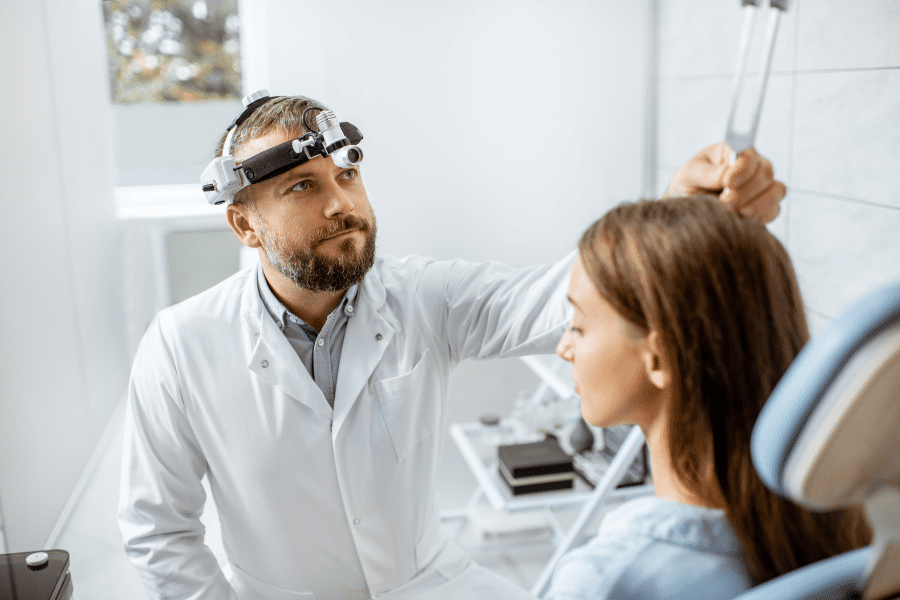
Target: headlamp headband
x,y
284,157
248,110
222,178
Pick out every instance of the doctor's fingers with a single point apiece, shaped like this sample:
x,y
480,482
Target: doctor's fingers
x,y
747,177
764,206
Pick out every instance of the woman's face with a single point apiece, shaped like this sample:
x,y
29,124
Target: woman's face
x,y
608,357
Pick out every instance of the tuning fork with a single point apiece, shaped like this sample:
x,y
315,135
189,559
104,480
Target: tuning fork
x,y
741,139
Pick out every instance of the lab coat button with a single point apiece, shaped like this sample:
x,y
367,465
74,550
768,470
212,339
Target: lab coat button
x,y
378,336
349,309
321,342
356,521
264,364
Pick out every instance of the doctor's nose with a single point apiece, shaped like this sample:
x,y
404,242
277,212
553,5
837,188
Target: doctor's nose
x,y
339,203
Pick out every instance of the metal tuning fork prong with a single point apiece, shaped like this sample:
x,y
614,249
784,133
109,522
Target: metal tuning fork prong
x,y
741,139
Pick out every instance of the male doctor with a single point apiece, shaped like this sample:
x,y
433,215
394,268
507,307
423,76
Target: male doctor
x,y
311,389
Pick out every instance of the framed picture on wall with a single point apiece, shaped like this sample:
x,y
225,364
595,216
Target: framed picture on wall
x,y
173,50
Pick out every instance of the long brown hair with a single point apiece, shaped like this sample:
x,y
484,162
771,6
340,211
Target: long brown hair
x,y
723,297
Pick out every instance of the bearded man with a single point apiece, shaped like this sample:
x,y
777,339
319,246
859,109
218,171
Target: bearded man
x,y
310,390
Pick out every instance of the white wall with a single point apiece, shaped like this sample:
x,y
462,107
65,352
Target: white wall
x,y
63,363
831,126
493,130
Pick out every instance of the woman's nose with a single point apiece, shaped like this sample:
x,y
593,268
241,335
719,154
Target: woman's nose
x,y
564,349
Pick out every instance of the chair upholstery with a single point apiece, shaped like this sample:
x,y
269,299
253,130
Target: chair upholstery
x,y
829,437
838,365
838,578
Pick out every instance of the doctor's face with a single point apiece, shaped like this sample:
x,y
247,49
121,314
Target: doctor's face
x,y
314,222
607,358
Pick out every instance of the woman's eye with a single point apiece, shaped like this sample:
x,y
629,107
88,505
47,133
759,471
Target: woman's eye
x,y
300,186
575,329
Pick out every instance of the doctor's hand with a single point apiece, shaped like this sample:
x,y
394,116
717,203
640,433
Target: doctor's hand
x,y
748,185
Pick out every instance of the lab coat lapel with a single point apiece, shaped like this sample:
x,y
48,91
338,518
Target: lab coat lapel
x,y
273,357
367,337
275,360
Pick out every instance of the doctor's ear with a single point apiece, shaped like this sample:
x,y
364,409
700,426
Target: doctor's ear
x,y
655,364
239,219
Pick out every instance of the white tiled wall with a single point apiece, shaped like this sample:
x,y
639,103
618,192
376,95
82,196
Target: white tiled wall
x,y
830,126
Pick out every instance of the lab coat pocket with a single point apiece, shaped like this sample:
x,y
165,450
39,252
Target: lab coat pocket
x,y
248,587
411,404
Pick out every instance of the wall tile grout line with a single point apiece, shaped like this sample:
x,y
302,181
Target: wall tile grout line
x,y
842,198
791,188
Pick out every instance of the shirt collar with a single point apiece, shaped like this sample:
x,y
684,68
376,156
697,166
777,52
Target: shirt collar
x,y
279,311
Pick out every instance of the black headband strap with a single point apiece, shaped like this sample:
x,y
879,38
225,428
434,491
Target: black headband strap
x,y
278,159
249,111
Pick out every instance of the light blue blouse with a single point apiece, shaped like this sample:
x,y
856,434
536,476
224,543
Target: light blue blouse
x,y
653,548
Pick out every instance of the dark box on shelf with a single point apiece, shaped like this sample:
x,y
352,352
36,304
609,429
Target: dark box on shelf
x,y
536,466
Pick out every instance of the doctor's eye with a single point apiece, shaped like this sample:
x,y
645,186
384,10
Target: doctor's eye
x,y
350,174
300,186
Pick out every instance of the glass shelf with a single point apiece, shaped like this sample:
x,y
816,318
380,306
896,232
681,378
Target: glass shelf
x,y
478,445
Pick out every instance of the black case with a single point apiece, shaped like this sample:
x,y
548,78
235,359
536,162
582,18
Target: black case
x,y
535,467
52,581
535,458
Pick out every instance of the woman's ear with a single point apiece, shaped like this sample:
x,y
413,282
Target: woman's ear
x,y
655,364
238,216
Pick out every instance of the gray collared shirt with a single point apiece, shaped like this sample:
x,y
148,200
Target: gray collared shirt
x,y
320,351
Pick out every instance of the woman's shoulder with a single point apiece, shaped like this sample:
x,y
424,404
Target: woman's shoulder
x,y
651,548
666,521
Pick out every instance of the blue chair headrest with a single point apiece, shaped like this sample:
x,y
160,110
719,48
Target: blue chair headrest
x,y
830,431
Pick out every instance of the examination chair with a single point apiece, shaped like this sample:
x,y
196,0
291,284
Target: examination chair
x,y
829,437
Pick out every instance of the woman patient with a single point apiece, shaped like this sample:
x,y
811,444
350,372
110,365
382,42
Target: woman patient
x,y
686,316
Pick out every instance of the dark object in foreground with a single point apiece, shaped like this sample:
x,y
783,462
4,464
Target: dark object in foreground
x,y
41,575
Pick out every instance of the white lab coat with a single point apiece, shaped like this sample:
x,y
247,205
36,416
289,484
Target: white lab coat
x,y
315,502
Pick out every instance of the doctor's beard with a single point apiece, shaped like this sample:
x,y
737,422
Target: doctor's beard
x,y
312,271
